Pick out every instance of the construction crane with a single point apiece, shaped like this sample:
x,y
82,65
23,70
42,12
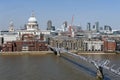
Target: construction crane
x,y
71,26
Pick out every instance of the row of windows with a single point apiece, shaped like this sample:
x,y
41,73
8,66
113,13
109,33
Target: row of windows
x,y
68,45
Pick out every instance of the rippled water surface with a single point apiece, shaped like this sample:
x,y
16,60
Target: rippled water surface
x,y
44,67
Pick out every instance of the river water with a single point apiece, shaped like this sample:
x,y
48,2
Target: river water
x,y
51,67
42,67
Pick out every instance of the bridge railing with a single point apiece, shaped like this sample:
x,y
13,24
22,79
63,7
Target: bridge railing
x,y
103,63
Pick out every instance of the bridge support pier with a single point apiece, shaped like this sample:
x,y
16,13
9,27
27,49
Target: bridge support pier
x,y
55,50
99,75
58,52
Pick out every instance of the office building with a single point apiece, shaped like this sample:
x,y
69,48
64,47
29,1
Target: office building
x,y
49,25
89,26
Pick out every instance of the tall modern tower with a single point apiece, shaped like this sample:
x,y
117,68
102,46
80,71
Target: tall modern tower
x,y
49,25
97,26
65,25
89,26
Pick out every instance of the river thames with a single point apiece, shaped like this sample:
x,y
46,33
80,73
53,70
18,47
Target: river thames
x,y
46,67
42,67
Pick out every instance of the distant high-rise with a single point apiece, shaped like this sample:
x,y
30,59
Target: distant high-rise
x,y
65,24
49,25
101,28
97,26
89,26
108,28
93,28
53,28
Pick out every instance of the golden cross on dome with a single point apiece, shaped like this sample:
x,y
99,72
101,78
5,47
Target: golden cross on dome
x,y
33,14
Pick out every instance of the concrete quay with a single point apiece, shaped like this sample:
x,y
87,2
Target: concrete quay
x,y
25,53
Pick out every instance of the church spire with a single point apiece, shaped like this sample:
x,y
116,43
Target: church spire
x,y
11,26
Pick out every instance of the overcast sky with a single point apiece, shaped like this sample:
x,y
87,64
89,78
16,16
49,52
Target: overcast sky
x,y
107,12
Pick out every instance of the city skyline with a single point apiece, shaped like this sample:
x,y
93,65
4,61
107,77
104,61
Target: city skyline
x,y
84,11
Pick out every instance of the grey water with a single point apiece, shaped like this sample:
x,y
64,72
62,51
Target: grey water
x,y
41,67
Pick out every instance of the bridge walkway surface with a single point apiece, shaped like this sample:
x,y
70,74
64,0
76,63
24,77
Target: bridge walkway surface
x,y
88,65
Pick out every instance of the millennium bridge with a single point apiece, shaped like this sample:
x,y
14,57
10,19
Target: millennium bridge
x,y
96,68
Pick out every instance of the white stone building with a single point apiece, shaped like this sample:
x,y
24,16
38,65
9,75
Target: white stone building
x,y
9,36
32,27
93,45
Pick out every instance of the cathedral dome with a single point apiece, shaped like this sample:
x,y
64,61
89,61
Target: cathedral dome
x,y
32,19
32,24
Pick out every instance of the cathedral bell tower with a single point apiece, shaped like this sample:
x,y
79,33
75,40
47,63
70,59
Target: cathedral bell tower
x,y
11,27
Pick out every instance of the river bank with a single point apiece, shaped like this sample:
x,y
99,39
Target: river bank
x,y
26,53
96,53
48,52
93,52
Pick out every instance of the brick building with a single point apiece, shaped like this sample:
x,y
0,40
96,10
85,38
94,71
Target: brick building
x,y
28,42
109,46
